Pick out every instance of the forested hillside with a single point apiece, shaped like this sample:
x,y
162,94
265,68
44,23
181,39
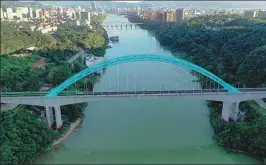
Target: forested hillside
x,y
235,50
14,37
23,136
237,55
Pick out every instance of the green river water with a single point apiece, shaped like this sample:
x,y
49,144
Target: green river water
x,y
143,131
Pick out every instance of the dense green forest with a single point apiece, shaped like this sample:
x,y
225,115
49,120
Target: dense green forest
x,y
17,74
23,137
235,55
244,137
233,48
30,136
93,41
14,37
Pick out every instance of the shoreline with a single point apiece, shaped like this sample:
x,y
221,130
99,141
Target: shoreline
x,y
213,118
71,129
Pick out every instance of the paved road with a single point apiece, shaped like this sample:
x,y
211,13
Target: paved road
x,y
77,55
261,103
6,107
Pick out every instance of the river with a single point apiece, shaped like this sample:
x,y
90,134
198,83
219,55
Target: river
x,y
143,131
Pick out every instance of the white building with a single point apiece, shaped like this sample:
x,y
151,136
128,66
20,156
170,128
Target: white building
x,y
9,13
2,14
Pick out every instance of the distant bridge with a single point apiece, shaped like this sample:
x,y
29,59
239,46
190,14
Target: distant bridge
x,y
121,25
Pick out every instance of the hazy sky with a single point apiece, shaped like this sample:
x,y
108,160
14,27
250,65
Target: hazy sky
x,y
129,1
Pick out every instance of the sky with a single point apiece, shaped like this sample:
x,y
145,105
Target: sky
x,y
129,1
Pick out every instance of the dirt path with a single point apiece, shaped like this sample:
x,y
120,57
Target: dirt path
x,y
71,129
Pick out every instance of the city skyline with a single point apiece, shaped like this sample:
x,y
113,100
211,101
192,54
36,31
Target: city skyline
x,y
204,4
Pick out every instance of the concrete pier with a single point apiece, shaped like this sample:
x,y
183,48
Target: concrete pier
x,y
230,110
49,115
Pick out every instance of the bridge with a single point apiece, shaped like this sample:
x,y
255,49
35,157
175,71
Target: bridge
x,y
121,25
52,100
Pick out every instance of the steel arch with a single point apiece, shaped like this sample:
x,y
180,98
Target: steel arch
x,y
134,58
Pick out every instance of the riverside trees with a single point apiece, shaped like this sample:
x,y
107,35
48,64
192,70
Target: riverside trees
x,y
236,52
23,136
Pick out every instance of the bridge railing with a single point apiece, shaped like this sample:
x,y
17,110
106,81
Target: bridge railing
x,y
148,92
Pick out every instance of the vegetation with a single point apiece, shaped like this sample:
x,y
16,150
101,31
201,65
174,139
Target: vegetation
x,y
23,137
14,37
245,137
17,74
96,20
235,55
74,111
234,49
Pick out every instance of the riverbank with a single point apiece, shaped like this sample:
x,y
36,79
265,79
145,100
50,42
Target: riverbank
x,y
234,136
135,131
30,136
71,129
79,109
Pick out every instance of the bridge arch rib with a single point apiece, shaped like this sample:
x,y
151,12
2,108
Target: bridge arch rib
x,y
139,57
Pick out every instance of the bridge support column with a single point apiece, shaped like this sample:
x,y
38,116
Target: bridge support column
x,y
58,117
230,110
49,115
234,111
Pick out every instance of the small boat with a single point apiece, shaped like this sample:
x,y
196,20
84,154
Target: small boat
x,y
114,38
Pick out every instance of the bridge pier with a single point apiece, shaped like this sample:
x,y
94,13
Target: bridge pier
x,y
234,111
58,117
230,110
50,116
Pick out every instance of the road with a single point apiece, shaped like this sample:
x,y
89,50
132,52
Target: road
x,y
7,107
261,103
77,55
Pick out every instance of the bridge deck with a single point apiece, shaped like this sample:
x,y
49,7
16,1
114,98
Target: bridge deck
x,y
60,100
71,93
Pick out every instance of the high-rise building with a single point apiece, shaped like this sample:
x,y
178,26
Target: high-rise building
x,y
59,11
9,13
50,12
19,13
78,15
30,12
2,14
73,16
159,16
180,13
36,13
262,14
65,11
251,13
169,16
174,16
25,11
93,6
85,15
149,15
43,13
